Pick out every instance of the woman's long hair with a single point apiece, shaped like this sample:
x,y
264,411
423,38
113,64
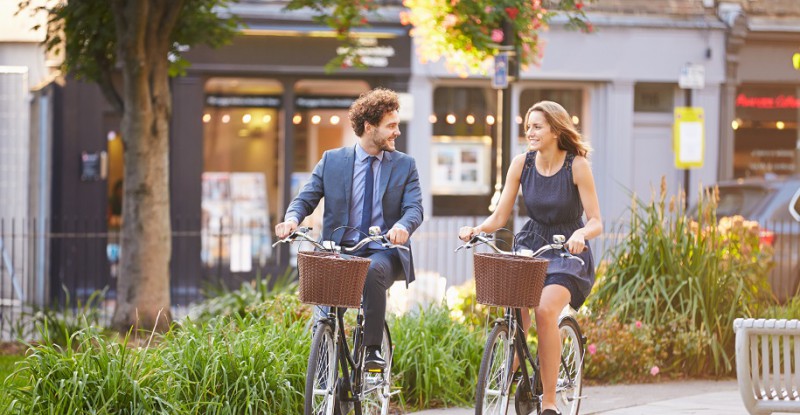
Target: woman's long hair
x,y
569,139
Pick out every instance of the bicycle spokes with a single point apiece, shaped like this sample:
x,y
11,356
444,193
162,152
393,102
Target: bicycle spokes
x,y
376,387
570,374
494,377
320,389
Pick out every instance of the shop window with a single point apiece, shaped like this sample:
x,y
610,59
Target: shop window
x,y
240,181
462,159
653,97
766,130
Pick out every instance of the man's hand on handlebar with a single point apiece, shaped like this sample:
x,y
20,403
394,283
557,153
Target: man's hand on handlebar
x,y
397,236
285,229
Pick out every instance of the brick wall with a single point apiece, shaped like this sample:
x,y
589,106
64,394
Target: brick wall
x,y
777,8
645,7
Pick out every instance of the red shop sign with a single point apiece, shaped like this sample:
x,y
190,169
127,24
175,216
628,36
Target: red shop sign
x,y
779,102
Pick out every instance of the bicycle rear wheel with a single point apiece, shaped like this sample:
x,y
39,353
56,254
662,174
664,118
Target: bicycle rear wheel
x,y
376,388
570,373
494,376
320,397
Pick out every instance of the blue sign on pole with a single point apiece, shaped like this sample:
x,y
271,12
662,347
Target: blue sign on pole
x,y
500,76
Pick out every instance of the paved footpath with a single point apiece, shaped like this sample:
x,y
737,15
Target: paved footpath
x,y
697,397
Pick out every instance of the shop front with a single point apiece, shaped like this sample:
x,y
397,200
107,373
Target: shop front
x,y
253,118
759,128
249,122
766,139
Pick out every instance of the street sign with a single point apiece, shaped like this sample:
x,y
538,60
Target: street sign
x,y
688,137
693,76
500,75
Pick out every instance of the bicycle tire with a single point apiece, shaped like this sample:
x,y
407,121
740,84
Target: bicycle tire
x,y
376,388
570,373
492,394
322,373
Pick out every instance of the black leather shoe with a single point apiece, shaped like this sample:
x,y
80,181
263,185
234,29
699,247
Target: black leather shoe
x,y
550,412
374,362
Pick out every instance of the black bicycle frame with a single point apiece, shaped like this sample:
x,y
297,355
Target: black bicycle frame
x,y
347,361
521,348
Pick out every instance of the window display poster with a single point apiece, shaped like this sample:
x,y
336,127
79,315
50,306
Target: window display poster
x,y
236,226
460,168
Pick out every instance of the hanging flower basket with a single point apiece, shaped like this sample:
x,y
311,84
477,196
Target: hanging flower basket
x,y
467,33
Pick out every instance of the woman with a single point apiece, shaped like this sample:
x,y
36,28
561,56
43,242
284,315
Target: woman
x,y
557,187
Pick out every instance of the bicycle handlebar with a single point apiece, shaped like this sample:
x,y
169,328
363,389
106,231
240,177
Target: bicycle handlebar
x,y
557,245
374,236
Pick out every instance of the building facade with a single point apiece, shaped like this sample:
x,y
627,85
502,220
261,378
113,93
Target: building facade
x,y
251,119
621,84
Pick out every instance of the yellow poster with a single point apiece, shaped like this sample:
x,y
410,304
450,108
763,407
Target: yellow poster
x,y
689,137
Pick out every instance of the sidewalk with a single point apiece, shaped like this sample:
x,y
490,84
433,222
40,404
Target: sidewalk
x,y
686,397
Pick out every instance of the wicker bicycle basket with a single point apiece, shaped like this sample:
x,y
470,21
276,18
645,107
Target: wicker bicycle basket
x,y
328,279
509,280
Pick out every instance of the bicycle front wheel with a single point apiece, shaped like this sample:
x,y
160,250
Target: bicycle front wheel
x,y
494,376
376,388
321,373
570,373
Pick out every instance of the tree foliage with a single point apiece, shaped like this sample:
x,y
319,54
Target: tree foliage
x,y
130,48
83,33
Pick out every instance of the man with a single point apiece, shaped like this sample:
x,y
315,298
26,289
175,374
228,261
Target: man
x,y
369,184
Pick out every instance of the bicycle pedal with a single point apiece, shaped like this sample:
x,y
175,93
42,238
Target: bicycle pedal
x,y
375,370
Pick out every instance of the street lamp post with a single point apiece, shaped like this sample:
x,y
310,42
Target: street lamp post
x,y
506,71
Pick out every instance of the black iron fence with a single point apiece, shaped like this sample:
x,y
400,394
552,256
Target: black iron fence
x,y
47,263
53,263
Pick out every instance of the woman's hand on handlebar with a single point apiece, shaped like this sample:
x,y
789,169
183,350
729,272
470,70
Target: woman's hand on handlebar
x,y
284,229
576,243
466,233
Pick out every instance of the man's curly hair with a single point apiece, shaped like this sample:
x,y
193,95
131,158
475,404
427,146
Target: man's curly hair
x,y
371,107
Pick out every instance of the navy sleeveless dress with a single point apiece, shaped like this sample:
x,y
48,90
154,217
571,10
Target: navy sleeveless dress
x,y
554,208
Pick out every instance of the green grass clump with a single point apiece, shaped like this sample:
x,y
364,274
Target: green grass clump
x,y
91,374
254,364
436,361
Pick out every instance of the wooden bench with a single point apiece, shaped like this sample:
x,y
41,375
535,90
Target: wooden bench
x,y
768,364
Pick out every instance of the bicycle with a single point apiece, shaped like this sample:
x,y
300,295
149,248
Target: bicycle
x,y
495,377
336,381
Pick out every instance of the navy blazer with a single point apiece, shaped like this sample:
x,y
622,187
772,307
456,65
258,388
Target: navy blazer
x,y
400,194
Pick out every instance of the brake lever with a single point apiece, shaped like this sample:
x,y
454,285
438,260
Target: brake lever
x,y
281,241
465,246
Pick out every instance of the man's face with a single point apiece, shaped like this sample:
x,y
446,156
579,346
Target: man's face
x,y
383,136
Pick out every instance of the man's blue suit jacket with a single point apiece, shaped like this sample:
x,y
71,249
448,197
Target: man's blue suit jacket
x,y
400,193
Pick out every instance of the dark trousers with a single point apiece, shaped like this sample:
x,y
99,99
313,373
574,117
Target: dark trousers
x,y
383,270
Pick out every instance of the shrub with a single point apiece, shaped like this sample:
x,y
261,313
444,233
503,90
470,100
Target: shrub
x,y
698,276
224,302
637,352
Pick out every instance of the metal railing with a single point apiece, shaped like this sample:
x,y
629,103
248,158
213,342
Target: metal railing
x,y
40,256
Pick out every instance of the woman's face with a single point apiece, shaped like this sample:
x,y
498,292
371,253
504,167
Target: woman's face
x,y
538,132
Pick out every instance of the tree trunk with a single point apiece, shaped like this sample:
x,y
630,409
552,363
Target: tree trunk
x,y
143,287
